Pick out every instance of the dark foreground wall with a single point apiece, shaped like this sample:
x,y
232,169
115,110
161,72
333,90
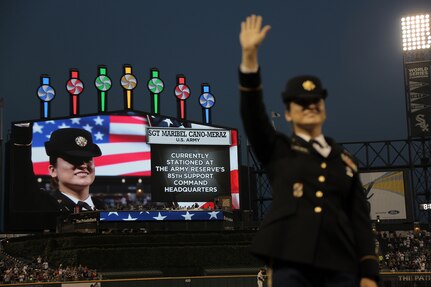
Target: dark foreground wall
x,y
165,253
388,280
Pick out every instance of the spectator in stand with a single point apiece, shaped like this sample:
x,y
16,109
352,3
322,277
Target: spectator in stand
x,y
405,251
14,271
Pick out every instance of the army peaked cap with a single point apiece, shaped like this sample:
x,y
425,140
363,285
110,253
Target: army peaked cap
x,y
304,88
72,142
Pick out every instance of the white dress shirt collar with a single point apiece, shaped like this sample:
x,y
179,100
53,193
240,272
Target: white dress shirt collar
x,y
321,146
89,201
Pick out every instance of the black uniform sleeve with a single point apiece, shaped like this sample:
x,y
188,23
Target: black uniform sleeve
x,y
260,132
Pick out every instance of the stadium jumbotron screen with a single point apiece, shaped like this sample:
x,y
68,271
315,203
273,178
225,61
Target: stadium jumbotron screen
x,y
169,172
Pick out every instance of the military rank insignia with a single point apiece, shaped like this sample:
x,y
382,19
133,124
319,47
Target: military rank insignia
x,y
300,149
351,166
298,189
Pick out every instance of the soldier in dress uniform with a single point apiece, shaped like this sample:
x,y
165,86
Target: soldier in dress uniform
x,y
318,230
71,152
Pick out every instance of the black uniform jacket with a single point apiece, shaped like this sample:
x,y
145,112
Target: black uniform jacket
x,y
25,194
319,214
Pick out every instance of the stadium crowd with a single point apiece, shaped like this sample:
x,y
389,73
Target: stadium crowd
x,y
397,250
404,251
131,204
14,270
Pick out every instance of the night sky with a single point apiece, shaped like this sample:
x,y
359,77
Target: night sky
x,y
353,46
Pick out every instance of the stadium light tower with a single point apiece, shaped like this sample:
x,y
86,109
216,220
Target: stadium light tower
x,y
416,32
417,70
416,41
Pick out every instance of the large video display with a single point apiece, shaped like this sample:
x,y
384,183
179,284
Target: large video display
x,y
160,170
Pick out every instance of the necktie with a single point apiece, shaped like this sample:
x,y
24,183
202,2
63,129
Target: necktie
x,y
85,205
314,142
323,150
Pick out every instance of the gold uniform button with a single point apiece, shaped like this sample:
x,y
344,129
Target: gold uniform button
x,y
298,193
321,178
323,165
317,209
319,194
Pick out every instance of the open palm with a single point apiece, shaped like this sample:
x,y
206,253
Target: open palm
x,y
252,34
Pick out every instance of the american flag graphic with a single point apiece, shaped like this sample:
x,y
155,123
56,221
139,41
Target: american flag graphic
x,y
122,139
193,215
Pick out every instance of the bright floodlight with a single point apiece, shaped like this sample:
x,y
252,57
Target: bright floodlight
x,y
416,32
